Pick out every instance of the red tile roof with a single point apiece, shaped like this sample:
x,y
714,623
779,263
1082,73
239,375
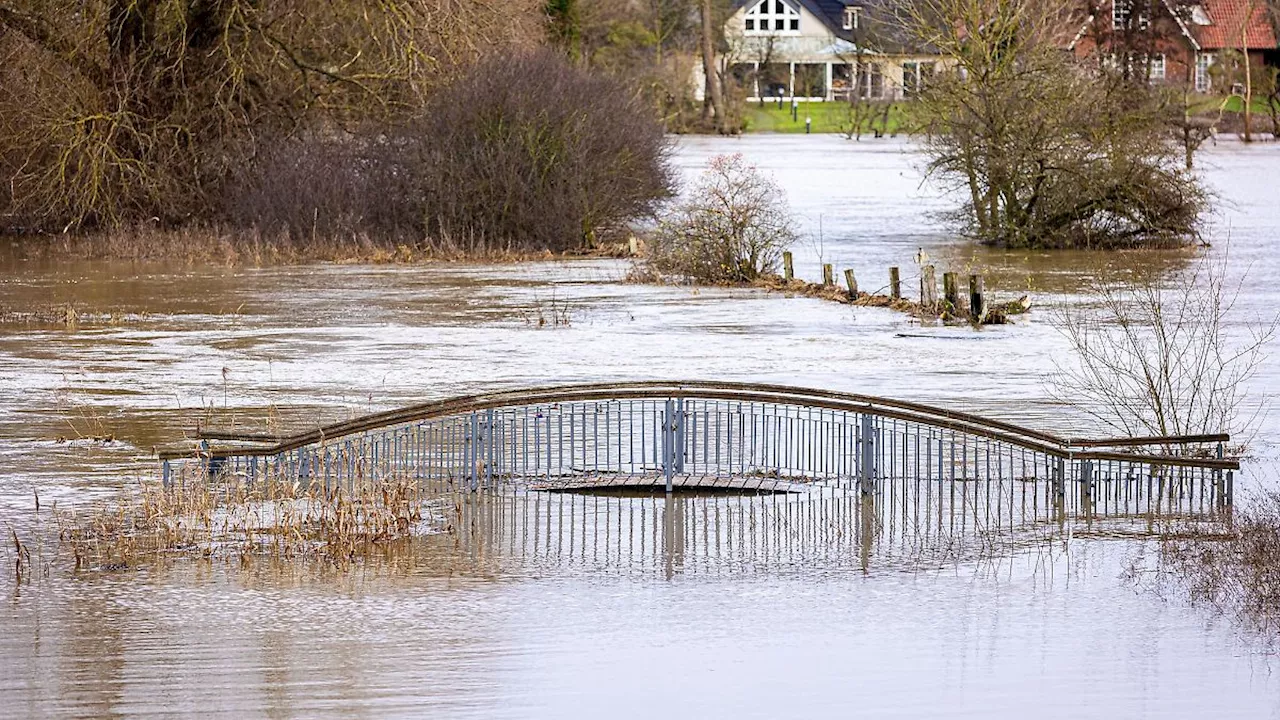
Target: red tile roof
x,y
1234,21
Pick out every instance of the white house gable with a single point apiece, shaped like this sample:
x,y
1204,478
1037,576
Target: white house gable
x,y
778,19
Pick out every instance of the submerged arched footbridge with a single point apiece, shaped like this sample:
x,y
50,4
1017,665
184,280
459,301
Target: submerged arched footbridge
x,y
708,436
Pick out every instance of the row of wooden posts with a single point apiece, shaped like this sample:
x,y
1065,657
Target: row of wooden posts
x,y
950,305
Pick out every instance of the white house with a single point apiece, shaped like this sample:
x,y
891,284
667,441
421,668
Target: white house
x,y
819,50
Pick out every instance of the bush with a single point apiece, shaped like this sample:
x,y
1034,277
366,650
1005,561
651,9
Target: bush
x,y
327,186
532,153
732,229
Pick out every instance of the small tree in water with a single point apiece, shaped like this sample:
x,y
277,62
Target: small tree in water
x,y
1160,357
732,229
1048,151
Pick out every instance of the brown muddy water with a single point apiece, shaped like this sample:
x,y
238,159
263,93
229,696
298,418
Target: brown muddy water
x,y
573,606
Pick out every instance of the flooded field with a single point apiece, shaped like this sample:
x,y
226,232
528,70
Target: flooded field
x,y
569,606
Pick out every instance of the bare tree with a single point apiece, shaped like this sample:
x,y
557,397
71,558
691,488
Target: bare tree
x,y
714,87
1161,357
1048,151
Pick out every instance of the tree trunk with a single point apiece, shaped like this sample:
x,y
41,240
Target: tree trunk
x,y
1248,99
709,69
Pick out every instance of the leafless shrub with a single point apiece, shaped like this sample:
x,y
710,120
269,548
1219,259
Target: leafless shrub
x,y
555,313
335,186
115,112
530,152
1158,357
732,229
1232,565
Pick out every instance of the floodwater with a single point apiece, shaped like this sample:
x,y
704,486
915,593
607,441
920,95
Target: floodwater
x,y
568,606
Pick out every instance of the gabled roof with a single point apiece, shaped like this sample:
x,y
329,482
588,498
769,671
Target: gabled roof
x,y
881,33
1233,22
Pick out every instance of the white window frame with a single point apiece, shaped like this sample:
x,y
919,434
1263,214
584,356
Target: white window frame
x,y
1121,10
1157,67
914,74
1204,61
766,12
852,16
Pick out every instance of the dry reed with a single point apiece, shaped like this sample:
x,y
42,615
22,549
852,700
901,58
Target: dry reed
x,y
227,246
235,519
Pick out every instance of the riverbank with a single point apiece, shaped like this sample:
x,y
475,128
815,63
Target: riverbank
x,y
222,246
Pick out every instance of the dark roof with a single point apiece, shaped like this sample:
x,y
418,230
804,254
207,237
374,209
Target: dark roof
x,y
880,28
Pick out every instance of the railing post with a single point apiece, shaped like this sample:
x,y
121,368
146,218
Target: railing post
x,y
677,447
471,451
1220,487
1086,482
1060,479
487,436
866,459
668,441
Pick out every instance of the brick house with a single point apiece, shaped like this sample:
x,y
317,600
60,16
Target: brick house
x,y
1180,41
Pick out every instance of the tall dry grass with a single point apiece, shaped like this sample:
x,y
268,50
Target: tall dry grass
x,y
235,519
229,246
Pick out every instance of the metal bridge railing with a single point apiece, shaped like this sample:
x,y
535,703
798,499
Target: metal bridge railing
x,y
762,437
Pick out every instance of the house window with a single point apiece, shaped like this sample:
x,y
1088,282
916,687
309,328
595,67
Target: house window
x,y
852,15
1203,62
870,81
1157,67
771,16
1120,10
914,77
1122,13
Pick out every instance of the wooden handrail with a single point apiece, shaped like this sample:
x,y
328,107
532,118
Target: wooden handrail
x,y
1151,440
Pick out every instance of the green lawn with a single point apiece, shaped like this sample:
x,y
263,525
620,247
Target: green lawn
x,y
827,117
1236,104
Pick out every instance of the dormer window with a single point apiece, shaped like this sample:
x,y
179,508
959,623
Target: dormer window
x,y
852,16
1122,12
772,17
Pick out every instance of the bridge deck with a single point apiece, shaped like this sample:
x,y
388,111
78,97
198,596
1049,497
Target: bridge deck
x,y
706,483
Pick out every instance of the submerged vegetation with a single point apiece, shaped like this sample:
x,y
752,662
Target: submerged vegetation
x,y
1232,565
232,519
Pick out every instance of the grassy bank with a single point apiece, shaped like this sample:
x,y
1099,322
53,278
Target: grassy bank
x,y
827,117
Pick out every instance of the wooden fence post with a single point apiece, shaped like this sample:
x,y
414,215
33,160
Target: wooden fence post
x,y
852,283
895,285
977,300
828,277
788,271
950,293
928,289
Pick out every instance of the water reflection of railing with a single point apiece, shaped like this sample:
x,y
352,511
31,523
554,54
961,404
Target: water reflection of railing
x,y
901,524
754,437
